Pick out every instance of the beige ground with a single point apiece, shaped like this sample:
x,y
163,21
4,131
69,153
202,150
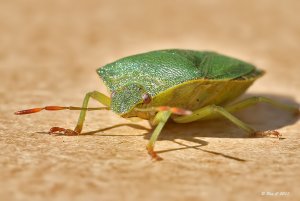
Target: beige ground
x,y
48,55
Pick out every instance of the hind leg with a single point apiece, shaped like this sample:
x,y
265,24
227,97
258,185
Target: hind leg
x,y
213,111
254,100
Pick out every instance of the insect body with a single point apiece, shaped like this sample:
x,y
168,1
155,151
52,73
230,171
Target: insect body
x,y
182,85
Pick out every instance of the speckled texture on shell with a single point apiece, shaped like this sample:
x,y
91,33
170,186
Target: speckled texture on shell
x,y
159,70
134,93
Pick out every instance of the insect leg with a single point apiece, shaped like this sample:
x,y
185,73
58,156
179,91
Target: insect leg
x,y
213,110
216,111
95,95
254,100
160,119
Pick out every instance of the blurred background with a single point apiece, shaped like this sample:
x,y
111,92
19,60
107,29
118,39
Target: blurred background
x,y
79,36
49,51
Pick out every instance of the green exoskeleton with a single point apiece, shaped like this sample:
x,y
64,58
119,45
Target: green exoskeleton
x,y
181,85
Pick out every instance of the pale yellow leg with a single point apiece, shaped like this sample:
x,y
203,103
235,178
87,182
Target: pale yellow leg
x,y
160,119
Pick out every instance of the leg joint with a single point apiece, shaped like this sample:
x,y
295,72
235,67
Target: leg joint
x,y
216,108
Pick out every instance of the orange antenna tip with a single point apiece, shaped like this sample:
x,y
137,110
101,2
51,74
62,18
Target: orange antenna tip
x,y
29,111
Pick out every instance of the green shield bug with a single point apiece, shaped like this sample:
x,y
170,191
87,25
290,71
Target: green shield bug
x,y
182,85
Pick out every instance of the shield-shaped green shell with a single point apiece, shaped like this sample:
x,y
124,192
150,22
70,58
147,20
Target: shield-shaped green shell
x,y
181,78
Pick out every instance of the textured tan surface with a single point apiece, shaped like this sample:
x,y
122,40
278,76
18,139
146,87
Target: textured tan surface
x,y
49,51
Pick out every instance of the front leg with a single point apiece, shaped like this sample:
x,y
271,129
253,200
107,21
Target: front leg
x,y
95,95
160,119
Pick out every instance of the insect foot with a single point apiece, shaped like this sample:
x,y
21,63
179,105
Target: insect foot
x,y
153,154
63,131
267,133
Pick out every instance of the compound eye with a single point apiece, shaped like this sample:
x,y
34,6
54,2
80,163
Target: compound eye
x,y
146,98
